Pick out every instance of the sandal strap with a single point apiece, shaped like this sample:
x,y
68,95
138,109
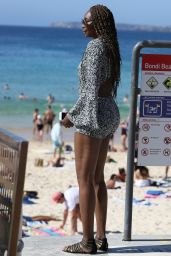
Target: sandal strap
x,y
101,244
89,244
86,247
74,248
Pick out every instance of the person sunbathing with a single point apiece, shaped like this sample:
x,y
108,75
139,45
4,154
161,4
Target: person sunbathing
x,y
121,176
111,183
142,177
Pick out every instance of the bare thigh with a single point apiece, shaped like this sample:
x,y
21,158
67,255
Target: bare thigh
x,y
86,154
99,173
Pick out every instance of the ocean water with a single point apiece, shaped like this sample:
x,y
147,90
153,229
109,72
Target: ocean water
x,y
38,61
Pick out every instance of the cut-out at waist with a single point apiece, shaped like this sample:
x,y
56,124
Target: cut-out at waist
x,y
104,95
106,89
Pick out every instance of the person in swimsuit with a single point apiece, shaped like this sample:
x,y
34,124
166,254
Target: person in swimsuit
x,y
40,127
48,119
35,115
96,117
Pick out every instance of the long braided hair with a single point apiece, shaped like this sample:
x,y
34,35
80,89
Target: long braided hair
x,y
104,25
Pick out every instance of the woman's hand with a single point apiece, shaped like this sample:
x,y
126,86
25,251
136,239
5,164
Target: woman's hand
x,y
67,123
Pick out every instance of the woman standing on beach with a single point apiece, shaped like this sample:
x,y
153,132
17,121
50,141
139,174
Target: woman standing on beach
x,y
95,116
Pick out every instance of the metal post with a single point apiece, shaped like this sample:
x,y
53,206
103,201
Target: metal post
x,y
132,126
131,143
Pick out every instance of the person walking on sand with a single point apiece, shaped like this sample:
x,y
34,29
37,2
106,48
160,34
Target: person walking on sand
x,y
71,200
96,117
57,139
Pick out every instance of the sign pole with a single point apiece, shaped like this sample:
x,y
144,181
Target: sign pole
x,y
131,143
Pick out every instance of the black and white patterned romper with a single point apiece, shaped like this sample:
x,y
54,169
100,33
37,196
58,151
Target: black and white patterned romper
x,y
93,115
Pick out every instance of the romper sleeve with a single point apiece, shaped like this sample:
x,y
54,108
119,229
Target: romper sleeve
x,y
84,114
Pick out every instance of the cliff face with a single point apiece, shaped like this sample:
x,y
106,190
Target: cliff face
x,y
121,27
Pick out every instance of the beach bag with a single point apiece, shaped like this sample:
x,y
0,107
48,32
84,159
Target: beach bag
x,y
68,148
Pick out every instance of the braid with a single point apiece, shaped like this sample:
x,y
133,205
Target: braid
x,y
104,26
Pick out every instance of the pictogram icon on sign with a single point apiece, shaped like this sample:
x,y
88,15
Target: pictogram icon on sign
x,y
152,108
152,82
145,140
146,127
167,83
144,152
166,152
167,127
167,140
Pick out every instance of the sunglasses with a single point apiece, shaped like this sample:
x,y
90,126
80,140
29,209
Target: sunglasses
x,y
87,22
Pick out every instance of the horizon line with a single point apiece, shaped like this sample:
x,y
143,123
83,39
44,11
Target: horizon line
x,y
78,22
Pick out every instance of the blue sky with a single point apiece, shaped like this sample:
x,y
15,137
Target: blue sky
x,y
43,12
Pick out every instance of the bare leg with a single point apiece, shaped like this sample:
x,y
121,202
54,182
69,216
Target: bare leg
x,y
73,222
34,128
101,191
54,153
60,151
40,135
86,155
166,172
123,143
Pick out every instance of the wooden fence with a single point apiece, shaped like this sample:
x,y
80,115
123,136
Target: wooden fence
x,y
13,156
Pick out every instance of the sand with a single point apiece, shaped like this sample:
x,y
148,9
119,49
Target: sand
x,y
153,218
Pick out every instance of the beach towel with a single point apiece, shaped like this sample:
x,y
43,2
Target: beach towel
x,y
38,232
142,202
26,200
59,231
153,193
36,223
46,231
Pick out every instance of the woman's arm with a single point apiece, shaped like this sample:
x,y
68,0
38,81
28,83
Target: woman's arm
x,y
65,216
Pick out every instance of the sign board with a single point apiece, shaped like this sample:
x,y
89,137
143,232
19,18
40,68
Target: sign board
x,y
154,144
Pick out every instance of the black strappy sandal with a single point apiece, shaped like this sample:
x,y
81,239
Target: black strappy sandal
x,y
86,247
101,244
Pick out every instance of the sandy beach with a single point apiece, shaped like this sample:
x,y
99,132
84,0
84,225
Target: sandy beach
x,y
150,216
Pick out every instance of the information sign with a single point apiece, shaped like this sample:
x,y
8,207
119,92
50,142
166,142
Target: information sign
x,y
154,144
